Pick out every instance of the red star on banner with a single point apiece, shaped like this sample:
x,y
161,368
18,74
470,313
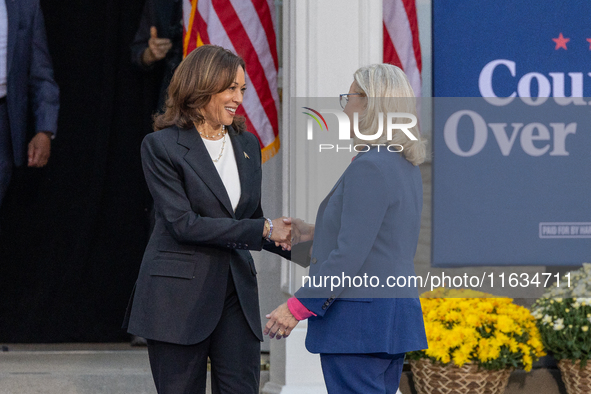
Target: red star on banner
x,y
560,42
589,39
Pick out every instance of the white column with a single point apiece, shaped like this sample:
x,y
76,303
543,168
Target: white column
x,y
425,26
324,43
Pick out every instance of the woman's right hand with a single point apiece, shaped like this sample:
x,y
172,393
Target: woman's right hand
x,y
281,231
300,232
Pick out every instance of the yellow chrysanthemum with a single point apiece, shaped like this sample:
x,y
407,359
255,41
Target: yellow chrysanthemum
x,y
460,357
472,326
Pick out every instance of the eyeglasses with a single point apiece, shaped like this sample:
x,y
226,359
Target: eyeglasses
x,y
345,98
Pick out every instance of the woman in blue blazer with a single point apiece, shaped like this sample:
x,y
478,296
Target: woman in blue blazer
x,y
368,224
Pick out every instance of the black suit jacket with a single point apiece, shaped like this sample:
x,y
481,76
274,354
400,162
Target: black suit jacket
x,y
197,238
166,16
30,83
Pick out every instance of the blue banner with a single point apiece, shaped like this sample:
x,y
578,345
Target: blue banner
x,y
512,133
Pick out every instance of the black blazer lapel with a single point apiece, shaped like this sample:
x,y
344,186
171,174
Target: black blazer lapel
x,y
12,11
200,161
246,160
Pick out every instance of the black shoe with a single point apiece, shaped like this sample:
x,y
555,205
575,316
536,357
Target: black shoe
x,y
138,341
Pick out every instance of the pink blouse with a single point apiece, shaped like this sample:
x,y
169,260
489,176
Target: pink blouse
x,y
298,310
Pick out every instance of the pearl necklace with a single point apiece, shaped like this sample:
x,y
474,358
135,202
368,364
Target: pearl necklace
x,y
211,137
223,141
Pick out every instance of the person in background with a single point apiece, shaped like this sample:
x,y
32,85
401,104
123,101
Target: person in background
x,y
196,295
369,223
158,42
26,85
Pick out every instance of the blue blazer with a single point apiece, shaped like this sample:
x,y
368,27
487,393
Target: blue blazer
x,y
29,75
368,224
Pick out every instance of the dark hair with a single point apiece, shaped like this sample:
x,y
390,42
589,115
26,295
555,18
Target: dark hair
x,y
208,70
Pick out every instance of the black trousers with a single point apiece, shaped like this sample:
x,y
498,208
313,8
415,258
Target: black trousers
x,y
234,351
6,159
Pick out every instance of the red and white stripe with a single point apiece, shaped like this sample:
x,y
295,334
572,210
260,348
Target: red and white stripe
x,y
247,28
401,39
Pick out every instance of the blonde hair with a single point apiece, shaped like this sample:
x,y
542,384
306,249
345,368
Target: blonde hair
x,y
387,90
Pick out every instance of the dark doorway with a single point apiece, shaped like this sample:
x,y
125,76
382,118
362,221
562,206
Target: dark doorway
x,y
73,233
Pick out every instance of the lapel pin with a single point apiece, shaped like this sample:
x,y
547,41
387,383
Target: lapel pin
x,y
245,155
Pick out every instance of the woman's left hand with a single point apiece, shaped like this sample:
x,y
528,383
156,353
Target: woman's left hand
x,y
281,322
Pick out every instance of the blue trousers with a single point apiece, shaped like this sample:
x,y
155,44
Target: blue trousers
x,y
6,158
362,373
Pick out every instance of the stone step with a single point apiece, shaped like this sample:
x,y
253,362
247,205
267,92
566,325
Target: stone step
x,y
79,372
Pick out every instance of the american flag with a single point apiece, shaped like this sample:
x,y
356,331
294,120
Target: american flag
x,y
401,39
247,28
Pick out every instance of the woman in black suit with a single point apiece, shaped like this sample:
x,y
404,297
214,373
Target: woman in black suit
x,y
196,295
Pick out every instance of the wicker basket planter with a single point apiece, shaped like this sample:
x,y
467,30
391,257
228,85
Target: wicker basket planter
x,y
432,378
576,380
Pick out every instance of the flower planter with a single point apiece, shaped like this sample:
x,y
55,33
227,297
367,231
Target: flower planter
x,y
471,336
576,380
563,315
430,378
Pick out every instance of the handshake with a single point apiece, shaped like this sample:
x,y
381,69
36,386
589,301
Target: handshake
x,y
289,231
